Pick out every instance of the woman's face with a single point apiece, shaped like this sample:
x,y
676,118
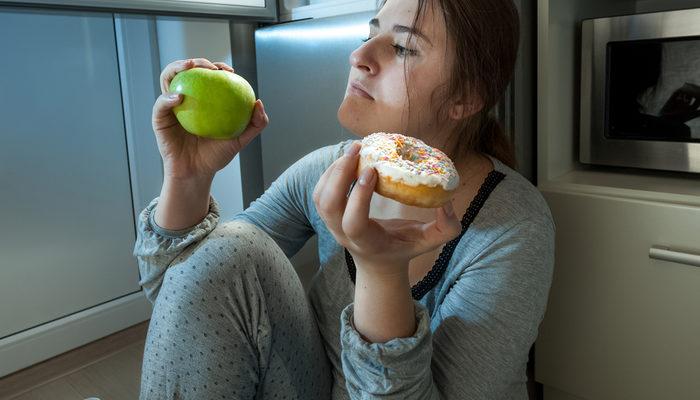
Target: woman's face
x,y
388,63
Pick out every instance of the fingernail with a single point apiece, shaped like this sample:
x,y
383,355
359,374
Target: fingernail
x,y
366,177
174,96
353,149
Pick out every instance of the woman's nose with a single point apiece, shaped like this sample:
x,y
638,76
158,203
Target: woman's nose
x,y
362,59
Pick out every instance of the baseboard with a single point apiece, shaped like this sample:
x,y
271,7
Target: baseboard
x,y
45,341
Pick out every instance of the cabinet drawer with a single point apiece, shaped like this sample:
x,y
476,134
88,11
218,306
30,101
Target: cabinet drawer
x,y
619,324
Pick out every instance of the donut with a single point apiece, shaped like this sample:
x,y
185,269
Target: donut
x,y
408,170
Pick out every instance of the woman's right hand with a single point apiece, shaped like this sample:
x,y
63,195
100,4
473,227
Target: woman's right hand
x,y
186,156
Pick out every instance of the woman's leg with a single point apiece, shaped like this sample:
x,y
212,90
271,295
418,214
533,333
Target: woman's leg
x,y
232,322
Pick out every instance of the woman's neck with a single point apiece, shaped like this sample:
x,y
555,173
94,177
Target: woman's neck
x,y
472,169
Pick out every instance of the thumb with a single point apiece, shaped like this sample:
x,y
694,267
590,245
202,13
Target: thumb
x,y
259,119
258,122
445,227
162,109
356,223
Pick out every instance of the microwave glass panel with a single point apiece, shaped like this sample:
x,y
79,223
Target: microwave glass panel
x,y
653,90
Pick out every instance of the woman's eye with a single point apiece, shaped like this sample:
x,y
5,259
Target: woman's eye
x,y
402,51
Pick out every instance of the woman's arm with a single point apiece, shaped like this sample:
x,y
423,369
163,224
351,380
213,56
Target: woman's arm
x,y
157,248
476,343
281,212
383,305
183,202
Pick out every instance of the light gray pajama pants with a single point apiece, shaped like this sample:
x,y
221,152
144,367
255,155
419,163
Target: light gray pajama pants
x,y
232,321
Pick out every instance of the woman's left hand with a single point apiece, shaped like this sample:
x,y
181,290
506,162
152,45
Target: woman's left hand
x,y
378,246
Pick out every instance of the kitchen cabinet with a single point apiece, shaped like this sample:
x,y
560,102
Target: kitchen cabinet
x,y
262,10
619,323
79,162
66,206
291,10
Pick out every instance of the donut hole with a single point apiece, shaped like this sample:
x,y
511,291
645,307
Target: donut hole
x,y
409,153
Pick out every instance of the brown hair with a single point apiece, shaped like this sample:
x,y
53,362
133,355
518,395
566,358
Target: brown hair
x,y
485,36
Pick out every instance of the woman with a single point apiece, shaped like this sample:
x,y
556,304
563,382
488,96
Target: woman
x,y
407,304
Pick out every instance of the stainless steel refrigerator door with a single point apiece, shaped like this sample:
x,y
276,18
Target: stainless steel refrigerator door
x,y
302,73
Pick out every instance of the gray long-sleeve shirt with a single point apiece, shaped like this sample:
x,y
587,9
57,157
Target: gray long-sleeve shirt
x,y
474,327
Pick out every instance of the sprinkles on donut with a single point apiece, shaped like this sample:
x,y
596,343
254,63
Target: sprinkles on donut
x,y
408,170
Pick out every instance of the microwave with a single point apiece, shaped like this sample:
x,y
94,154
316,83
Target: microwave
x,y
640,91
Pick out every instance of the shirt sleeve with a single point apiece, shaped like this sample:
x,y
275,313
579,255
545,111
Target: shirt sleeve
x,y
476,343
156,248
282,211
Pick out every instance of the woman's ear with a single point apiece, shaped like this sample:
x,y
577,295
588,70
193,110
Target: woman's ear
x,y
465,109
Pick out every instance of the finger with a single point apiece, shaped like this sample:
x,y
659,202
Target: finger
x,y
406,230
397,224
333,196
356,220
322,182
258,122
224,66
324,177
445,228
259,118
178,66
163,116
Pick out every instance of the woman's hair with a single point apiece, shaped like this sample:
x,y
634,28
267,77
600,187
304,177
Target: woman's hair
x,y
485,35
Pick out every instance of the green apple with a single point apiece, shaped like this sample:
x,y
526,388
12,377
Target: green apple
x,y
217,104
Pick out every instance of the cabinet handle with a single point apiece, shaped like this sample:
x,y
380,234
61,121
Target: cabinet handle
x,y
666,254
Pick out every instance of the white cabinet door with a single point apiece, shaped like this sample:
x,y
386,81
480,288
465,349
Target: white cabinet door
x,y
260,10
619,324
65,202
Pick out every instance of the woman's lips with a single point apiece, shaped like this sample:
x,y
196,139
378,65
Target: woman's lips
x,y
357,89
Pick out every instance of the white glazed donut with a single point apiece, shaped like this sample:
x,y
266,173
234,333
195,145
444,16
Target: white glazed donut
x,y
409,171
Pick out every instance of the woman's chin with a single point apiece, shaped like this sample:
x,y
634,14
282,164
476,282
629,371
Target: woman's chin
x,y
363,119
352,120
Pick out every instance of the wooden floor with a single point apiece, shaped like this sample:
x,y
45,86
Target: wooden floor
x,y
108,369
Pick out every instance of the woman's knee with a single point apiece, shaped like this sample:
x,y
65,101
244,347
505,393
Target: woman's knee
x,y
224,278
235,293
232,249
